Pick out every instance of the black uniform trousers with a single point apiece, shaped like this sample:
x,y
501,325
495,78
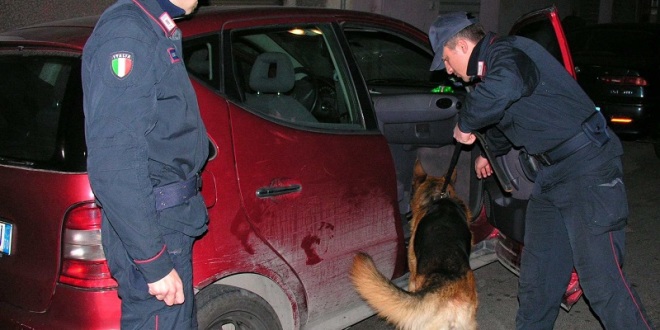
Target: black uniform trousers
x,y
575,218
139,309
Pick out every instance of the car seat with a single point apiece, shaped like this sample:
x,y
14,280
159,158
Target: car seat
x,y
271,76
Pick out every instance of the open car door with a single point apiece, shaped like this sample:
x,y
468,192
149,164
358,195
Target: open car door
x,y
507,209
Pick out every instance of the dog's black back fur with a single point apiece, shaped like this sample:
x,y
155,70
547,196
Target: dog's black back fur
x,y
443,242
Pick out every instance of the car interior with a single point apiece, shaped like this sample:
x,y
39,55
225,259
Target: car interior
x,y
34,93
271,77
289,73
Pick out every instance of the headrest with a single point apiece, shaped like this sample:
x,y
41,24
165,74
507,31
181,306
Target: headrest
x,y
272,73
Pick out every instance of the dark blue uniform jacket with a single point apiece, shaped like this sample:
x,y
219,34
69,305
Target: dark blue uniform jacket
x,y
525,93
143,129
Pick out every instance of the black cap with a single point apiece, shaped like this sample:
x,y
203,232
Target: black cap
x,y
444,28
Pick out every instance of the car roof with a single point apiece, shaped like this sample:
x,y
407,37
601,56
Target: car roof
x,y
73,33
207,19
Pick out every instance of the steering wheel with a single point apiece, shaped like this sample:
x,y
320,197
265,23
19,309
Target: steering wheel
x,y
326,109
318,95
305,89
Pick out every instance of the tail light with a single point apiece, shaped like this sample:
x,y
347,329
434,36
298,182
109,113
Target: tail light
x,y
624,80
621,120
83,260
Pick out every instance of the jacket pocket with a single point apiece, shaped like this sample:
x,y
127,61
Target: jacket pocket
x,y
609,206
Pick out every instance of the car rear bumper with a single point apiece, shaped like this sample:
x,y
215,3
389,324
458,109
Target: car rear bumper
x,y
71,308
643,118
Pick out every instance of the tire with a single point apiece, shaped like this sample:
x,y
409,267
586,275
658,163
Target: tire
x,y
230,308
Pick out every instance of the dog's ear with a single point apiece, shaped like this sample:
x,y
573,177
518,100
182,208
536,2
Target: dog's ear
x,y
453,177
419,174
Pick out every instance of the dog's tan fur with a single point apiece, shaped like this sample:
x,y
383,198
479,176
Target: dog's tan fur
x,y
453,305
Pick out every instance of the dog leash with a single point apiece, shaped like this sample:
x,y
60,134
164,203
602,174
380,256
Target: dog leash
x,y
502,178
450,171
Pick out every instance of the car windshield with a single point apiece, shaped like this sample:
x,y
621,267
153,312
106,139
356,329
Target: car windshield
x,y
33,92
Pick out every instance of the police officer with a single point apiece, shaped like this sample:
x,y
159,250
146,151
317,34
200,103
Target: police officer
x,y
578,208
146,145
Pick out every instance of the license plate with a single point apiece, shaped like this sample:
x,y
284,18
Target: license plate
x,y
5,237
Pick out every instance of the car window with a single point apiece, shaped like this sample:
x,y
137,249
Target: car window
x,y
386,59
201,58
34,90
295,75
391,63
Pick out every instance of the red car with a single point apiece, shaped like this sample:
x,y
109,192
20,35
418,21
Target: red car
x,y
307,167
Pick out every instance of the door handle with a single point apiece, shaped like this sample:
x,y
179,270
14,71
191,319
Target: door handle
x,y
267,192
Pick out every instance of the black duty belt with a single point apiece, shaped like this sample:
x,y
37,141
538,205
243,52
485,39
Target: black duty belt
x,y
594,130
563,150
177,193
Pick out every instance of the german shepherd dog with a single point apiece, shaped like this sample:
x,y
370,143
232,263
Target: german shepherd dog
x,y
442,291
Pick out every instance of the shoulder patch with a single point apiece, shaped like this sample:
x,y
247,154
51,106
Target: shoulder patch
x,y
167,22
174,58
122,64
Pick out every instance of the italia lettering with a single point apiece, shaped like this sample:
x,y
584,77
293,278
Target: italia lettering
x,y
123,55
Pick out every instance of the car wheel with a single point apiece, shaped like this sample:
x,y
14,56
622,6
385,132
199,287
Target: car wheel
x,y
230,308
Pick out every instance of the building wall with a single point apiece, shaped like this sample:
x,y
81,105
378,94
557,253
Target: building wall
x,y
419,13
495,15
17,13
511,10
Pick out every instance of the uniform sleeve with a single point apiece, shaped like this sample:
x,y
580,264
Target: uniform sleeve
x,y
498,143
511,75
119,93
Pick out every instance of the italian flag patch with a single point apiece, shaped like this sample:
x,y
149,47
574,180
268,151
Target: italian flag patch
x,y
122,64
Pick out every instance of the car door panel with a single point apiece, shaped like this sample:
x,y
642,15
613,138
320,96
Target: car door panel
x,y
340,194
416,109
420,119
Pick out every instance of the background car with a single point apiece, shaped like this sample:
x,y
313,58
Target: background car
x,y
617,65
315,119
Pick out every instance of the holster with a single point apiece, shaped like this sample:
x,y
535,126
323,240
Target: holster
x,y
530,166
595,127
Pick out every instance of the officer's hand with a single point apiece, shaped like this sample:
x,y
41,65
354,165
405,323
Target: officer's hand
x,y
464,138
482,167
168,289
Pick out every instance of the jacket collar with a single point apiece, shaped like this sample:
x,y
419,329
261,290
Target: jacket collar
x,y
171,8
477,63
